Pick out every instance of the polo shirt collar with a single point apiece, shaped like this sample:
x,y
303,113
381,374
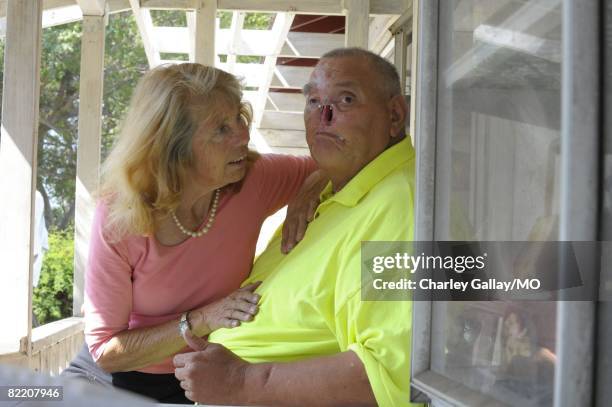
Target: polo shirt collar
x,y
370,175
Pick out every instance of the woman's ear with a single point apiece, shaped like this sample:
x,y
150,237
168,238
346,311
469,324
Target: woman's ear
x,y
398,109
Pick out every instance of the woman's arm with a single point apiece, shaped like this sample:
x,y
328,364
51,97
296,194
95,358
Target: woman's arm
x,y
136,348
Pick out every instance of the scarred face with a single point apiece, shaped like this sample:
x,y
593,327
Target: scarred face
x,y
348,117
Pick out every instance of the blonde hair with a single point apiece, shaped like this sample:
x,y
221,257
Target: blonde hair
x,y
144,173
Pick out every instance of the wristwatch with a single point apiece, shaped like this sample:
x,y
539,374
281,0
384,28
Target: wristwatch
x,y
184,324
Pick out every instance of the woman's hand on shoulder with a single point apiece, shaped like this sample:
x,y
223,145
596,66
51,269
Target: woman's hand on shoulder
x,y
229,312
301,210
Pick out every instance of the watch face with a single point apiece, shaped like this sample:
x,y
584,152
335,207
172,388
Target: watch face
x,y
184,324
183,327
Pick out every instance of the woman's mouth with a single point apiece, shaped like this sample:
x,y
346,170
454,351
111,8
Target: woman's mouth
x,y
239,160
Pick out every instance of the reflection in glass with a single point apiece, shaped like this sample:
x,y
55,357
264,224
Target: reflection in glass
x,y
497,172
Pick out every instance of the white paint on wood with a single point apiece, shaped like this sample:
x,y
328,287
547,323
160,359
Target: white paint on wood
x,y
400,48
414,48
357,23
329,7
280,28
172,39
290,102
18,147
258,141
92,7
292,76
205,17
51,17
145,27
88,149
234,39
251,74
379,33
310,45
282,120
179,38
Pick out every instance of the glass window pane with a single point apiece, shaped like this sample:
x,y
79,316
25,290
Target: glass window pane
x,y
497,178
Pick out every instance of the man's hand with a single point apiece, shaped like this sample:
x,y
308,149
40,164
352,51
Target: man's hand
x,y
301,210
213,375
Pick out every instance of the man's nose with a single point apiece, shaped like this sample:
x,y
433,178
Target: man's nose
x,y
327,114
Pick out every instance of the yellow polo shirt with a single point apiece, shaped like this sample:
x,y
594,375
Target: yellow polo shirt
x,y
311,300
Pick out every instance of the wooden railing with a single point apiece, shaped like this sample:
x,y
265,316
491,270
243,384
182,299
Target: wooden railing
x,y
53,346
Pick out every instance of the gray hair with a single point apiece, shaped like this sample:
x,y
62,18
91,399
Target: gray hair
x,y
386,70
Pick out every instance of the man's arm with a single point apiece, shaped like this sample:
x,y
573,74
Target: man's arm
x,y
217,376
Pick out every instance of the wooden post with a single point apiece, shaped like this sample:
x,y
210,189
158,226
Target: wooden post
x,y
357,23
399,56
19,141
88,149
205,14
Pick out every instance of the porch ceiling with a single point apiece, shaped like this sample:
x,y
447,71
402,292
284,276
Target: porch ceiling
x,y
302,31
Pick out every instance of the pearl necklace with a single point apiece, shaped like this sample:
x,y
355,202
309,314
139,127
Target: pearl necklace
x,y
211,219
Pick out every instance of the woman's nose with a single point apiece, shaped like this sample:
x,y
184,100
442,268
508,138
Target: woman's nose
x,y
243,136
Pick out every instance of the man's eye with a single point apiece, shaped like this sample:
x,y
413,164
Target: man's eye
x,y
313,102
347,99
223,129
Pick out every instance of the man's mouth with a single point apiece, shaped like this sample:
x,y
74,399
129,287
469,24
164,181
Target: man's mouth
x,y
331,135
238,160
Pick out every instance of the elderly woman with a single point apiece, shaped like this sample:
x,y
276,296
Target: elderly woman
x,y
175,231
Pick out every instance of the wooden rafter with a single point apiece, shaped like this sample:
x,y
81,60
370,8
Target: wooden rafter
x,y
145,26
328,7
280,28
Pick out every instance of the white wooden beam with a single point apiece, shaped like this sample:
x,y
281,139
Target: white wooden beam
x,y
380,34
88,148
235,31
178,37
18,147
400,38
280,28
327,7
92,7
248,42
357,23
287,102
205,17
282,120
291,76
310,45
145,26
414,50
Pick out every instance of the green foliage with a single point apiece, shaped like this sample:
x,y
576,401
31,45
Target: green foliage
x,y
258,21
52,298
225,19
169,18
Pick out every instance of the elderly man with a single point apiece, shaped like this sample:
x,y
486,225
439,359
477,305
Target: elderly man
x,y
314,341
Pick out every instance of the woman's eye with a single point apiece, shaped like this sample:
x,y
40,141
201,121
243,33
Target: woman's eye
x,y
223,129
313,102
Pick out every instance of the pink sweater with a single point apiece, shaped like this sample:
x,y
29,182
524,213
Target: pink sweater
x,y
138,282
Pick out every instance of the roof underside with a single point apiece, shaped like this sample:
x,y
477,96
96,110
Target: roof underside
x,y
286,51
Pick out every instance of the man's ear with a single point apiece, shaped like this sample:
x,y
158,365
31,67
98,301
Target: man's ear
x,y
398,109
